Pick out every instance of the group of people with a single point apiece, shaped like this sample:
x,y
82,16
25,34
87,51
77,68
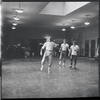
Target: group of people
x,y
49,46
17,51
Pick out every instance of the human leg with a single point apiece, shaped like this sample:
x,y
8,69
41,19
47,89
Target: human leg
x,y
71,61
75,61
42,61
60,58
46,59
50,62
64,58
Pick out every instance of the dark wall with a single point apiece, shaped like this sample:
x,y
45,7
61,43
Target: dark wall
x,y
17,36
35,46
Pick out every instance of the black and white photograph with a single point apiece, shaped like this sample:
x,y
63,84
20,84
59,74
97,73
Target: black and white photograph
x,y
0,49
49,49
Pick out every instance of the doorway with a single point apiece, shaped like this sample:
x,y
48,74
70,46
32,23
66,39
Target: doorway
x,y
92,48
87,48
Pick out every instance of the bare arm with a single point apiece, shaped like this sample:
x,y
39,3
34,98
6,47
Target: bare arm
x,y
42,49
68,48
77,49
56,44
60,49
70,51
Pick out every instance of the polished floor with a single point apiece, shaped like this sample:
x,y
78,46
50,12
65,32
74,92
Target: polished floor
x,y
0,87
22,78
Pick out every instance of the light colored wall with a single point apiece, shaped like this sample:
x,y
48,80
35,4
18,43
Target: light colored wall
x,y
88,33
92,33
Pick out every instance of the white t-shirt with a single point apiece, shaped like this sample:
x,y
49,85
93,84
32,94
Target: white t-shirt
x,y
49,45
64,47
74,49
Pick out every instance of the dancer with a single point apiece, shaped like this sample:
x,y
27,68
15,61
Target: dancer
x,y
63,52
48,46
73,54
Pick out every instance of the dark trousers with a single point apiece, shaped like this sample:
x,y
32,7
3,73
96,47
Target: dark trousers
x,y
63,56
73,58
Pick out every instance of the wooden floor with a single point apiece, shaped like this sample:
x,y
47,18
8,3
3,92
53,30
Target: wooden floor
x,y
22,78
0,88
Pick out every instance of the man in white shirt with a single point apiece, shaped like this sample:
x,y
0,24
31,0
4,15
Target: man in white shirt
x,y
73,54
48,46
63,52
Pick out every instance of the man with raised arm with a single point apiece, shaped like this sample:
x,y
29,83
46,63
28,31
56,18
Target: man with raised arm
x,y
48,46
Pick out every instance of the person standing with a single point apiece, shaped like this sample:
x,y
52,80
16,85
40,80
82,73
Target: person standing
x,y
27,52
73,52
63,52
48,46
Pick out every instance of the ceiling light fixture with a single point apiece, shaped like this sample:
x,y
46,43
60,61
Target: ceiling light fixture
x,y
87,22
72,27
16,17
63,29
14,23
19,10
13,27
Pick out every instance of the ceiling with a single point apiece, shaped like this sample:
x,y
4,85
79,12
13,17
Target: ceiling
x,y
49,15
